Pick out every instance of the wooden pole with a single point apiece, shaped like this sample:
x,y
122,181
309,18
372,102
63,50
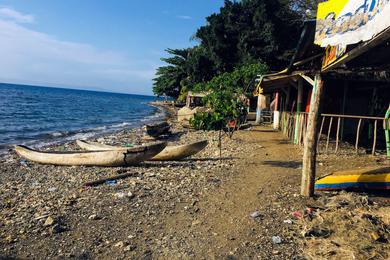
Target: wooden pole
x,y
374,143
310,148
299,109
329,130
320,133
338,134
357,135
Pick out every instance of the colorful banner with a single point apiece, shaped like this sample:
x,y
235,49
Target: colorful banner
x,y
344,22
332,53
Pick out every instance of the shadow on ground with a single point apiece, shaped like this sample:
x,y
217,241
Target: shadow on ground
x,y
284,164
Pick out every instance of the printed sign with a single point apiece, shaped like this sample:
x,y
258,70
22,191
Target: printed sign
x,y
344,22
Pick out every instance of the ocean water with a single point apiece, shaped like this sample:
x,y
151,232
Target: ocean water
x,y
39,116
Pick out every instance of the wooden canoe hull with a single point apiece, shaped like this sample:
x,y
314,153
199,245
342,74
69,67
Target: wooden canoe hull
x,y
157,129
107,158
170,153
361,180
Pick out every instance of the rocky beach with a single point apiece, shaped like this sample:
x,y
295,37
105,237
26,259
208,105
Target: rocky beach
x,y
243,204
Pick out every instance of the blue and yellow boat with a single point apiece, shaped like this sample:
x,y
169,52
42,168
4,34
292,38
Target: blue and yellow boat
x,y
374,178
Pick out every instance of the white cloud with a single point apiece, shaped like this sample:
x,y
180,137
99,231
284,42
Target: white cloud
x,y
32,57
12,15
184,17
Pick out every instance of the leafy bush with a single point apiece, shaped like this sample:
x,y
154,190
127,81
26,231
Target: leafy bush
x,y
225,105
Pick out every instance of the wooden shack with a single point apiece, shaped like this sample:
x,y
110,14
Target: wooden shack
x,y
337,94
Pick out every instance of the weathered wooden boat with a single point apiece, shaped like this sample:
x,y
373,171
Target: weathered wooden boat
x,y
170,153
155,130
124,157
376,178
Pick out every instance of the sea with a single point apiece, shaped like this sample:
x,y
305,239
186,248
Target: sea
x,y
39,116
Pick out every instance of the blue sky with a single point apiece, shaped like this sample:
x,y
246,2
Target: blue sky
x,y
105,45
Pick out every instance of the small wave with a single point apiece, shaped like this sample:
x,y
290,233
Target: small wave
x,y
57,134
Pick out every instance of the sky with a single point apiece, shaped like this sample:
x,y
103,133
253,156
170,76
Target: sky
x,y
94,44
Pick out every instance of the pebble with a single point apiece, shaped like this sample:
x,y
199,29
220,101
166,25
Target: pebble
x,y
119,244
93,217
276,239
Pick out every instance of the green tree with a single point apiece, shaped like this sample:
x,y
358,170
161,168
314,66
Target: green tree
x,y
169,78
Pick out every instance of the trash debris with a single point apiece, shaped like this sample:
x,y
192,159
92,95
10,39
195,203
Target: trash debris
x,y
111,182
276,239
52,189
297,214
49,221
23,163
255,214
287,221
309,211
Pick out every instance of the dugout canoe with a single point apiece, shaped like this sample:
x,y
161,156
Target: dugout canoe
x,y
170,153
157,129
373,178
107,158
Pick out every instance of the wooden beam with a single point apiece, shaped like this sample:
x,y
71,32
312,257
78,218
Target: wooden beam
x,y
310,148
308,79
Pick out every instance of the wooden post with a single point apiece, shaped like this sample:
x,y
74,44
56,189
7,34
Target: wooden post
x,y
310,148
276,112
329,130
358,135
320,133
299,109
337,134
374,143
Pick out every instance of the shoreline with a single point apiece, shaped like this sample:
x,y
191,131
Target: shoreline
x,y
89,134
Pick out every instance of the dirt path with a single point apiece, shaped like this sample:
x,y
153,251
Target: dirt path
x,y
220,226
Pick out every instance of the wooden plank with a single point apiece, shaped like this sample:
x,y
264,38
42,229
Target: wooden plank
x,y
329,130
357,135
374,141
338,134
310,149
